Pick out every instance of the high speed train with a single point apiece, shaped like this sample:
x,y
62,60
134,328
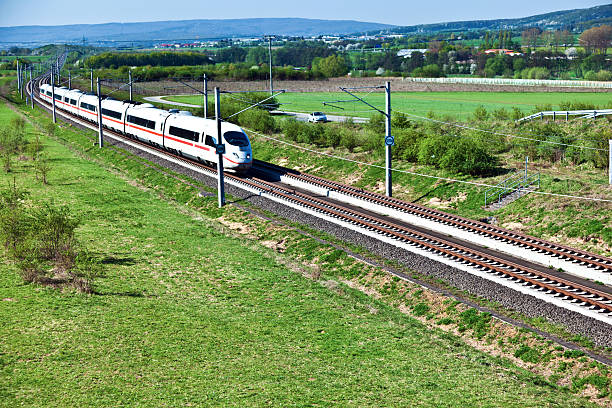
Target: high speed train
x,y
176,131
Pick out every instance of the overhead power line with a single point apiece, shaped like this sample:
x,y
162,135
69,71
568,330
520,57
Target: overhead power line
x,y
473,183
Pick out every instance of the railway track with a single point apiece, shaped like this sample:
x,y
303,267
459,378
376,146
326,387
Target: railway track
x,y
368,199
554,287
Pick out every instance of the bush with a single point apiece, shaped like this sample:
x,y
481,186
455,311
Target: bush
x,y
516,113
480,113
376,124
407,144
41,240
501,114
257,119
428,71
604,75
333,136
399,120
349,140
432,149
292,128
467,157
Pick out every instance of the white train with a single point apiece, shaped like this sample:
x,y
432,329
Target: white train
x,y
177,131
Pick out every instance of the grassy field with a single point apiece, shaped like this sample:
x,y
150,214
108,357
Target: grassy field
x,y
459,105
188,314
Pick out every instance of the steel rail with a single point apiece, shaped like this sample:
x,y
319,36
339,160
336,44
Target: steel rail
x,y
575,255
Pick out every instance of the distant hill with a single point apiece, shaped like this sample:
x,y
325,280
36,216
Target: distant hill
x,y
186,29
571,19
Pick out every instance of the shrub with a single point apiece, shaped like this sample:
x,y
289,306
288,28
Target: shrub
x,y
376,123
468,157
55,235
407,144
604,75
333,136
257,119
349,140
516,113
480,113
399,120
42,167
431,149
292,128
14,222
590,76
501,114
428,71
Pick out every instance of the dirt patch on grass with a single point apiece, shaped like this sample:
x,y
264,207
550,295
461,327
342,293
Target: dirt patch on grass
x,y
444,204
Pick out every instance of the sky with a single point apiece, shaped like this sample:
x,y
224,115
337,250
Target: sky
x,y
395,12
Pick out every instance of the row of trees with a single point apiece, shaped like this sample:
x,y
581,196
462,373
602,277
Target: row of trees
x,y
597,39
139,59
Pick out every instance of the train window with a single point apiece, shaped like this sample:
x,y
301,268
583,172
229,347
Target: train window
x,y
66,99
184,133
236,138
88,106
58,97
49,93
111,113
209,141
73,102
141,122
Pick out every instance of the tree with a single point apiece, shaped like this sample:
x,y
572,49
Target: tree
x,y
332,66
529,37
597,38
257,55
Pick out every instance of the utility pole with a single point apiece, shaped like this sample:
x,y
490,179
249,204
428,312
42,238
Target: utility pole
x,y
22,76
270,55
100,140
130,82
69,80
53,96
91,78
18,78
31,90
220,151
610,163
388,139
205,96
59,75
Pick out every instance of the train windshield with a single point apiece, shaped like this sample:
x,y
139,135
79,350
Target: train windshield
x,y
236,138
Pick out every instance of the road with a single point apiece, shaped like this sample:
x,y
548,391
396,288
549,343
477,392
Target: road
x,y
303,117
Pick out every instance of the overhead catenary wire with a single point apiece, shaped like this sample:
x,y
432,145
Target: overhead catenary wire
x,y
474,183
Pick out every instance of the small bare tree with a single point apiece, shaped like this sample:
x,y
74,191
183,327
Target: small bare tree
x,y
42,167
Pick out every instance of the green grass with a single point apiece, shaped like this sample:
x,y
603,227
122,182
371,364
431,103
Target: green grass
x,y
187,315
456,104
32,58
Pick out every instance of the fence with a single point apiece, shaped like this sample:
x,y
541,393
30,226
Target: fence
x,y
585,114
516,182
515,82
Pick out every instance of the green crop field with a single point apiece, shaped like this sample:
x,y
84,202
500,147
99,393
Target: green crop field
x,y
459,105
187,315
